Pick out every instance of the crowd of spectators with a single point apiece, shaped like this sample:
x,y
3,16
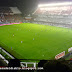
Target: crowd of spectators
x,y
62,10
7,16
55,16
11,19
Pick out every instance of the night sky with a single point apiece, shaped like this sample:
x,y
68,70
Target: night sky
x,y
25,2
27,6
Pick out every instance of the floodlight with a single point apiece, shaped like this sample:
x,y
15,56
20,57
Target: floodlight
x,y
55,4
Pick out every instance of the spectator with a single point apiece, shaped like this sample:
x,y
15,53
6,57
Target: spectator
x,y
14,63
56,66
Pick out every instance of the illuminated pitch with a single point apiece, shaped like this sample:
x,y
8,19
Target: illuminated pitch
x,y
55,4
41,42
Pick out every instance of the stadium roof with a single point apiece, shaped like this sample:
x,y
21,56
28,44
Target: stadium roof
x,y
55,4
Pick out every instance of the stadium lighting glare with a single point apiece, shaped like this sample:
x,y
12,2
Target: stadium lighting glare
x,y
55,4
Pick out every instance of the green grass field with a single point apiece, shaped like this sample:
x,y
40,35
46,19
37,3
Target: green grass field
x,y
38,41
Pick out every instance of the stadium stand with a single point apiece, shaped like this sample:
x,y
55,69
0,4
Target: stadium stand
x,y
10,15
58,16
5,10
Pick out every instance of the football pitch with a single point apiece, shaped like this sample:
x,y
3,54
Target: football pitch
x,y
35,41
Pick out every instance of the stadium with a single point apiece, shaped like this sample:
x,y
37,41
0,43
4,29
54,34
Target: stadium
x,y
43,34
